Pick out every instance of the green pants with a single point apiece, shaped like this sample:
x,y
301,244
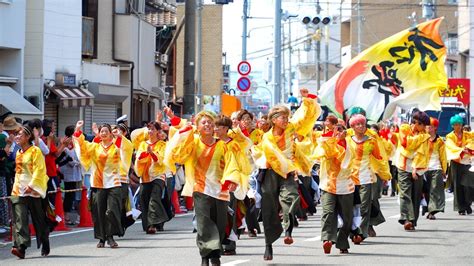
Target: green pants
x,y
21,207
376,216
333,205
106,211
410,197
153,211
211,219
436,199
366,196
278,192
463,191
227,244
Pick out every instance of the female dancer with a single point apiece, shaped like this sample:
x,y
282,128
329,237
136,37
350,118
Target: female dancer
x,y
105,160
28,195
149,166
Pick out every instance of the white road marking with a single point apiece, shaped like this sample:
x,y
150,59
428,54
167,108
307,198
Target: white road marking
x,y
234,262
394,216
317,238
90,229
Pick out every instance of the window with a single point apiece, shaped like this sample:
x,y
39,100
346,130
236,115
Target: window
x,y
6,1
452,2
452,43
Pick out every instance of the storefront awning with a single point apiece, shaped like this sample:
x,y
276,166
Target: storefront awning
x,y
18,105
71,97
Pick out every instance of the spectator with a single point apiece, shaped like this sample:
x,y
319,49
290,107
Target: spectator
x,y
70,168
293,101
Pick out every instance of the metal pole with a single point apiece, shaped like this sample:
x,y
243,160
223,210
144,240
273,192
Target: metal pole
x,y
359,28
318,54
198,68
326,50
283,64
290,50
189,57
277,52
244,30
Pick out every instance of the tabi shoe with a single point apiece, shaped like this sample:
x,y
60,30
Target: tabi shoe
x,y
45,249
215,261
101,244
19,252
268,253
151,230
372,232
111,242
430,216
229,252
344,251
408,226
462,212
327,245
205,262
357,239
253,233
288,239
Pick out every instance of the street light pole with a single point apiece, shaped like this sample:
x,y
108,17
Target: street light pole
x,y
244,30
277,52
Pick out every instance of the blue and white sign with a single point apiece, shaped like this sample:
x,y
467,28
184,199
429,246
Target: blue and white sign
x,y
243,84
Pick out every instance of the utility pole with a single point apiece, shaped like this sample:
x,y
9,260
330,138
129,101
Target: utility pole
x,y
277,53
244,30
326,49
198,69
290,50
359,28
189,57
318,51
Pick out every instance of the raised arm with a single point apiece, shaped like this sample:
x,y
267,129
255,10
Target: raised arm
x,y
306,115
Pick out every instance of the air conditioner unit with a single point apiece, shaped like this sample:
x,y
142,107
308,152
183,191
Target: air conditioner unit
x,y
164,58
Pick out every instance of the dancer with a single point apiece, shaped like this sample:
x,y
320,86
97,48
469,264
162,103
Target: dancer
x,y
279,185
436,171
211,173
458,154
149,166
105,160
28,195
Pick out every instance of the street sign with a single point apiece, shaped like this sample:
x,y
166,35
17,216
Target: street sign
x,y
244,68
243,84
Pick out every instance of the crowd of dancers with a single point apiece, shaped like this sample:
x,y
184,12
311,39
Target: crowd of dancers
x,y
240,170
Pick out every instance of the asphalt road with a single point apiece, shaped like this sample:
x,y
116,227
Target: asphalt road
x,y
447,240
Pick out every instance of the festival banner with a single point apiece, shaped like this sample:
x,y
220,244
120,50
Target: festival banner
x,y
406,70
458,89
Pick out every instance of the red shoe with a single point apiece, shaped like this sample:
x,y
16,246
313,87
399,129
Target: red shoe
x,y
357,239
288,240
18,252
409,226
151,230
327,245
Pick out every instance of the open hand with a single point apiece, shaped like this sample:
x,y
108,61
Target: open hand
x,y
79,125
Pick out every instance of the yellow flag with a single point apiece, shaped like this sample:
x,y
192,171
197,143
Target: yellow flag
x,y
406,70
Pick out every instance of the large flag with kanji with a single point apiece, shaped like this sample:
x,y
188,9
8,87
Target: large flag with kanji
x,y
405,70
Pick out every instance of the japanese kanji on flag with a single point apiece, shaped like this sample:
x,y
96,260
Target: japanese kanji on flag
x,y
406,70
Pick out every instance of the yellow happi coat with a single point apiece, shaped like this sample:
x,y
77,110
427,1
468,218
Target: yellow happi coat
x,y
107,163
206,167
412,150
256,136
332,178
150,166
365,160
279,151
437,154
455,147
30,171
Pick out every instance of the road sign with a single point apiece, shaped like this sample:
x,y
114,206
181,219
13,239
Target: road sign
x,y
243,84
244,68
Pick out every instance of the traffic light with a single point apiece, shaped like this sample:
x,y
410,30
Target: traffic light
x,y
316,20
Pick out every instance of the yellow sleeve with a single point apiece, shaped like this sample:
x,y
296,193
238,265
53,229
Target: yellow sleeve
x,y
179,148
138,136
442,155
39,180
379,163
453,152
328,148
141,161
305,116
126,152
84,150
232,171
244,142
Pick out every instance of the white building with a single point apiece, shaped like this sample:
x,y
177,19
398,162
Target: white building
x,y
12,52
